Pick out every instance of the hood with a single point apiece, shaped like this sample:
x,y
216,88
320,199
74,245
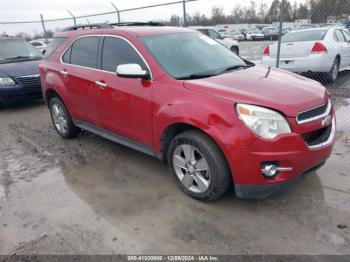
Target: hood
x,y
261,85
22,68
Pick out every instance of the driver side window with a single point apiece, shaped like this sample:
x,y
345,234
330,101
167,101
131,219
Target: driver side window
x,y
117,51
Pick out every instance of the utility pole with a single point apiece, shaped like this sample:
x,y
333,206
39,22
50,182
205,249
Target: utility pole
x,y
75,21
118,12
280,34
44,29
184,9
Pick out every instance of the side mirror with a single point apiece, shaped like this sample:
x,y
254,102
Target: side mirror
x,y
132,71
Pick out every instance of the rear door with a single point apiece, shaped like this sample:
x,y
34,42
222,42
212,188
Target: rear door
x,y
347,47
342,48
124,104
79,74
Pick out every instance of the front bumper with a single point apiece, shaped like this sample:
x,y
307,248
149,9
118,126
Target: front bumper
x,y
291,151
19,93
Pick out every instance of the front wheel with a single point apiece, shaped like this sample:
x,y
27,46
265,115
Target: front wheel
x,y
199,166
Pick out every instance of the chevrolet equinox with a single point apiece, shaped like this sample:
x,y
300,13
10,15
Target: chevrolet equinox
x,y
216,119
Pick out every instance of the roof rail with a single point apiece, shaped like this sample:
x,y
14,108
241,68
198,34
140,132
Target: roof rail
x,y
150,23
87,27
105,25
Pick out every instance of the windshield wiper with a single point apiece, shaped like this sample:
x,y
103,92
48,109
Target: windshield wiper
x,y
22,57
197,76
232,68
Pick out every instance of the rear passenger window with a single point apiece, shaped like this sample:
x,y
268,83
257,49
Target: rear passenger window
x,y
84,51
346,35
339,36
116,52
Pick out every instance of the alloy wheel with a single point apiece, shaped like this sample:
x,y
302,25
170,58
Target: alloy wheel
x,y
191,168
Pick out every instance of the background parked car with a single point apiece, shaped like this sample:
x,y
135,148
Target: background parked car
x,y
235,35
41,46
318,50
19,73
212,33
254,35
270,33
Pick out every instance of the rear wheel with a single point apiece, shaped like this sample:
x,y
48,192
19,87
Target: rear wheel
x,y
199,166
61,119
332,75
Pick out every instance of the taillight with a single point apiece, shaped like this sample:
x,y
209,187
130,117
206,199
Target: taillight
x,y
319,48
267,51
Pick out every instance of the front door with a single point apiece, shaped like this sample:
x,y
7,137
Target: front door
x,y
124,104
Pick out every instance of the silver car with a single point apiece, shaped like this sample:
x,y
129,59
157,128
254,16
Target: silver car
x,y
317,50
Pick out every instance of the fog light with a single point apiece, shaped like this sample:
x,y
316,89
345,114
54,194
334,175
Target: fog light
x,y
272,169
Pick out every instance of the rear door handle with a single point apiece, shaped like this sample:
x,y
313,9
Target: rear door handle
x,y
101,84
64,73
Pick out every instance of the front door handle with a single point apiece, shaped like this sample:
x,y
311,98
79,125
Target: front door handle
x,y
101,84
64,73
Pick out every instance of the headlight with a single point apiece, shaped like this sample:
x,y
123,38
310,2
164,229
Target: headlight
x,y
6,82
264,122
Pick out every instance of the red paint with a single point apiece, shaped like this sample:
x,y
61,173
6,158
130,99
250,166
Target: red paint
x,y
142,110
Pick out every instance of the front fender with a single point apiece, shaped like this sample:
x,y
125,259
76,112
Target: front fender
x,y
216,118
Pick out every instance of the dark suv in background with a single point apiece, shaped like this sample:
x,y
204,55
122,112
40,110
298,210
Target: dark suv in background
x,y
19,73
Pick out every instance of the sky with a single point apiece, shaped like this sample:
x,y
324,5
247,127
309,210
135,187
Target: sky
x,y
19,10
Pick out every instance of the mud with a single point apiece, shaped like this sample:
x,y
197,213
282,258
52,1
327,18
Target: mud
x,y
92,196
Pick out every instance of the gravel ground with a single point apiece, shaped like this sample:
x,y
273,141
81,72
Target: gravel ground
x,y
92,196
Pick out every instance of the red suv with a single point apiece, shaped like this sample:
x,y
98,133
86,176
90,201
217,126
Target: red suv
x,y
178,95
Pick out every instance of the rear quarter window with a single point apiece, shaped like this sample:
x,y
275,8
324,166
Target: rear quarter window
x,y
303,36
55,44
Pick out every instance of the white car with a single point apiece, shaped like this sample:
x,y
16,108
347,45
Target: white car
x,y
235,35
317,50
254,35
212,33
39,45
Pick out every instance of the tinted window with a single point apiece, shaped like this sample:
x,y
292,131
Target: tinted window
x,y
116,52
36,44
339,36
66,56
85,51
346,35
55,44
302,36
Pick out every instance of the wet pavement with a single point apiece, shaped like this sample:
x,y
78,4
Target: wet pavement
x,y
92,196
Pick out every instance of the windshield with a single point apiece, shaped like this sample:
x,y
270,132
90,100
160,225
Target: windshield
x,y
190,55
302,36
14,49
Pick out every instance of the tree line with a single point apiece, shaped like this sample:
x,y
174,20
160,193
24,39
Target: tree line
x,y
316,10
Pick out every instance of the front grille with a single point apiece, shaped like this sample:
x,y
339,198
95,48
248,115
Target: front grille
x,y
31,81
318,137
313,114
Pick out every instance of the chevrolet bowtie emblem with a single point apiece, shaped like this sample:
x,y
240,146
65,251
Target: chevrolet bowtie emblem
x,y
327,121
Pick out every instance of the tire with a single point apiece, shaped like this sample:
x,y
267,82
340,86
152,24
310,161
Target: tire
x,y
208,166
332,75
61,119
235,50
